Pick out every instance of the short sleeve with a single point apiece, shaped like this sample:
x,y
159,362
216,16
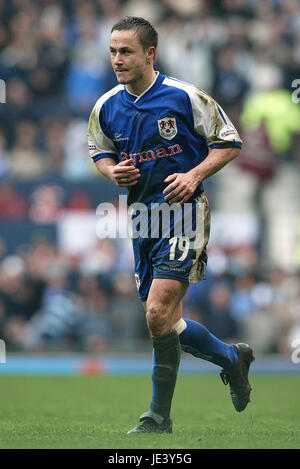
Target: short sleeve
x,y
100,146
211,122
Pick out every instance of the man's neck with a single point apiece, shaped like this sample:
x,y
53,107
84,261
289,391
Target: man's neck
x,y
137,88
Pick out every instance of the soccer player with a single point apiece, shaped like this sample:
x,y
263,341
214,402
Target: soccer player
x,y
160,138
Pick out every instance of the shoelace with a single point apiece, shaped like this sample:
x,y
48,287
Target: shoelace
x,y
147,423
225,377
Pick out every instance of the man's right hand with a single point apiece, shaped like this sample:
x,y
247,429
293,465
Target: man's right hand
x,y
124,174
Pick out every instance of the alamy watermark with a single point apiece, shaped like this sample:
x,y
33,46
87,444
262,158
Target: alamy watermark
x,y
296,93
2,351
295,356
183,224
2,91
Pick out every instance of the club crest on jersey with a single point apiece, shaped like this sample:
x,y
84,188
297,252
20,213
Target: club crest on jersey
x,y
167,127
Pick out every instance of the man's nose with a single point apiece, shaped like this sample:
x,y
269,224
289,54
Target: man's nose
x,y
118,58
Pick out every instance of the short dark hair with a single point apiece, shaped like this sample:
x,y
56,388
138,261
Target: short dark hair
x,y
146,33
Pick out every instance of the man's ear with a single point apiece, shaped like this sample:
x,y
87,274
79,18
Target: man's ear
x,y
151,54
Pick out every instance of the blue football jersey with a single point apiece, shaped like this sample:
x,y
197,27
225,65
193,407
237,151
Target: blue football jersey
x,y
167,129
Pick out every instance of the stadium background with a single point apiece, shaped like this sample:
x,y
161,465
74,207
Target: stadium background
x,y
64,290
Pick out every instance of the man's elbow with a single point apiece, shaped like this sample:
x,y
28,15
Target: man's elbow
x,y
234,151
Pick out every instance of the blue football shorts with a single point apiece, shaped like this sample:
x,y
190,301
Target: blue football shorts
x,y
173,248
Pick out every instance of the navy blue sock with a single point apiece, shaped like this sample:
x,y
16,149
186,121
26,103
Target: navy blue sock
x,y
166,359
197,340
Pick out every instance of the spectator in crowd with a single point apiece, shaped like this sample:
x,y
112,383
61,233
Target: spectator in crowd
x,y
54,132
4,156
76,166
242,304
96,325
19,106
12,205
126,312
218,318
27,162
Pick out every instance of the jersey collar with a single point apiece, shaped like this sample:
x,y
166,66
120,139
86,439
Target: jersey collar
x,y
154,85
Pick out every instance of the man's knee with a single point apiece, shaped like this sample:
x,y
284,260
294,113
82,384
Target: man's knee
x,y
159,319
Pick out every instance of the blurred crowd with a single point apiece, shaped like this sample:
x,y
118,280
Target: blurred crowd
x,y
54,60
54,300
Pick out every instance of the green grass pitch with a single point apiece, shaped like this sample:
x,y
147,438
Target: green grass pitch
x,y
96,412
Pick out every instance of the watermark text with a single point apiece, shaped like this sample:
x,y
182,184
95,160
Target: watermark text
x,y
158,220
296,93
2,91
2,351
295,357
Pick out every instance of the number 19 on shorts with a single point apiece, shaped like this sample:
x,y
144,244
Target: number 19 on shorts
x,y
183,244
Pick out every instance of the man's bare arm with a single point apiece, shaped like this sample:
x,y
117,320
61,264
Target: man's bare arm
x,y
123,174
104,166
181,186
215,160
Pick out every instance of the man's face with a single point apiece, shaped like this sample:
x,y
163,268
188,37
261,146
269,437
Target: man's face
x,y
128,57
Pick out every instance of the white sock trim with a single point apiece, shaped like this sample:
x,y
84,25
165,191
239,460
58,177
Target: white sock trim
x,y
180,325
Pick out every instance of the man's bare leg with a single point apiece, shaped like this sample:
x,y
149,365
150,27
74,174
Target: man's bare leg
x,y
163,309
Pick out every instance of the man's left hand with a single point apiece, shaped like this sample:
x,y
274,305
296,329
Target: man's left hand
x,y
181,187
